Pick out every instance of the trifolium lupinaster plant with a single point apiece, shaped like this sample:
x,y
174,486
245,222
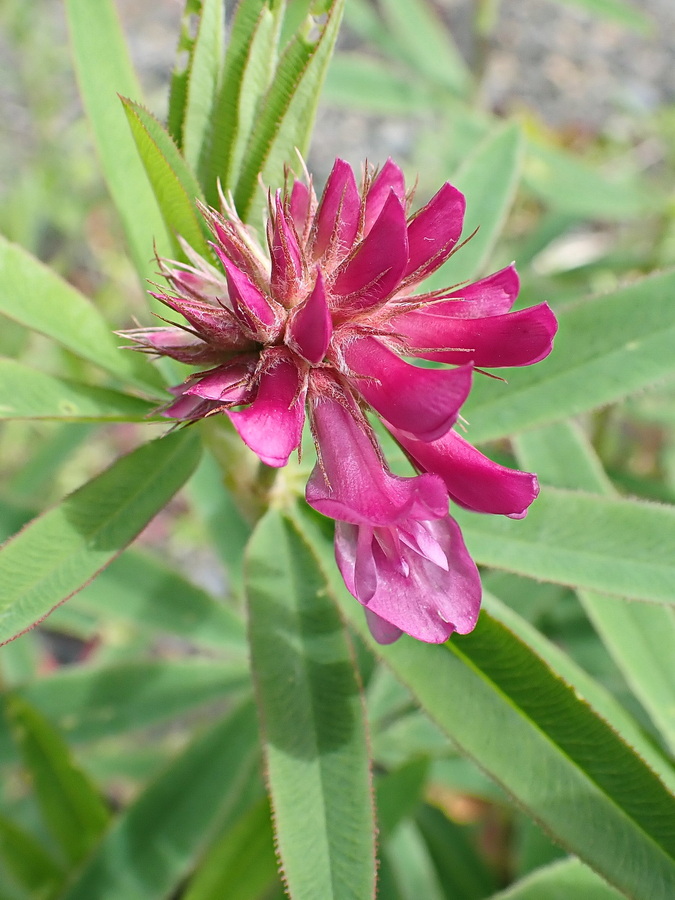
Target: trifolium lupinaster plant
x,y
319,326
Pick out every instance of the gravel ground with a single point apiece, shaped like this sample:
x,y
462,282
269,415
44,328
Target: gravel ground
x,y
573,69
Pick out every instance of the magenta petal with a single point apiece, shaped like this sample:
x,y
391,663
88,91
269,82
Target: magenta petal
x,y
188,407
383,632
424,402
375,269
389,178
337,219
491,296
249,302
434,232
300,206
215,324
428,602
518,338
311,328
226,383
272,425
174,342
286,257
354,485
473,481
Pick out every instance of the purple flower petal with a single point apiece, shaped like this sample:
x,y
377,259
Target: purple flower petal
x,y
374,270
518,338
428,602
272,425
250,305
175,343
355,486
214,324
383,632
434,231
310,327
389,178
473,481
491,296
227,383
337,219
286,257
424,402
300,207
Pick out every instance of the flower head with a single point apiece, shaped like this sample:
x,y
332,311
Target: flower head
x,y
321,322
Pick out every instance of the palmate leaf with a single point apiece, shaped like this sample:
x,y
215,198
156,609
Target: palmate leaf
x,y
312,718
505,708
104,70
59,552
630,331
640,637
175,186
151,846
286,112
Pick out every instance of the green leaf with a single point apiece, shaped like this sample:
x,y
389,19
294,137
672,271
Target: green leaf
x,y
228,530
399,794
104,70
241,864
35,296
559,760
175,187
136,588
181,71
87,703
29,394
249,64
357,81
202,80
424,42
287,111
630,331
620,11
570,185
151,846
640,637
410,865
586,687
488,179
28,862
70,805
59,552
617,546
312,716
561,881
463,873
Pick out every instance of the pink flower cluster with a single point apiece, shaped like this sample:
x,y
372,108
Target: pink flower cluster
x,y
321,325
